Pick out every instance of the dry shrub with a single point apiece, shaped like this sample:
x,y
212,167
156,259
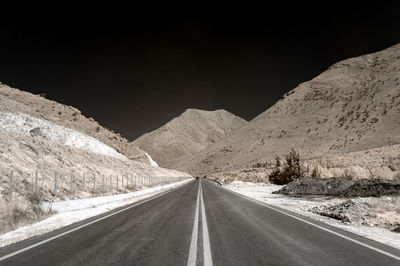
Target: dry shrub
x,y
15,215
397,176
289,171
22,212
35,200
316,173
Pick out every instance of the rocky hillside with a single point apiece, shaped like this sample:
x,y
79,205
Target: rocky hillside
x,y
353,106
17,101
188,134
45,155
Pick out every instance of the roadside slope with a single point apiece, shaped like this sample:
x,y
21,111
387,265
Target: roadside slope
x,y
16,101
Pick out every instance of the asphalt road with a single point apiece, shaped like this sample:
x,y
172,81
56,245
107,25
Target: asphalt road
x,y
199,223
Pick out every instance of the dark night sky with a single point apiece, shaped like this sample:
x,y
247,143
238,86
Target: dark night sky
x,y
133,71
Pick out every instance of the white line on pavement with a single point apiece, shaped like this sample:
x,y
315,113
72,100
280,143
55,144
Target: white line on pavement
x,y
79,227
206,238
315,225
193,242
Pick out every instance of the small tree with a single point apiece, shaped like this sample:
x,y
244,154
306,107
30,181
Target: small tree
x,y
293,167
291,170
273,177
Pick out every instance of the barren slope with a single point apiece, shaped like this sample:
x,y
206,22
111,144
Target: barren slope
x,y
187,134
353,106
14,101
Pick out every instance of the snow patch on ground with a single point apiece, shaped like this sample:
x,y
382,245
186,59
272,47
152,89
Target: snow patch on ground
x,y
73,211
26,124
152,162
263,192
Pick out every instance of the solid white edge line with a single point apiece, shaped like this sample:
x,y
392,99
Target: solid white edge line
x,y
193,243
82,226
315,225
206,238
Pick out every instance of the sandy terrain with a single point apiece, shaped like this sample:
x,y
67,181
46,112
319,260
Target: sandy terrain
x,y
379,163
351,107
188,134
383,162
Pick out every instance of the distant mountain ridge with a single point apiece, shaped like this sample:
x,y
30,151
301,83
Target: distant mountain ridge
x,y
187,135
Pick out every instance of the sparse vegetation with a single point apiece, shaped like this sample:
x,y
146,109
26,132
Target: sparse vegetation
x,y
23,211
14,216
289,171
316,173
35,200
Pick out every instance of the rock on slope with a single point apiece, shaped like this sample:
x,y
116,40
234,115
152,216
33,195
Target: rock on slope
x,y
353,106
188,134
16,101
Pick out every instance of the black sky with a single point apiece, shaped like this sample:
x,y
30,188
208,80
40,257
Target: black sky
x,y
136,69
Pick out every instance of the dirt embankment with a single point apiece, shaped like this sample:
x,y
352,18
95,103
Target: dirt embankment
x,y
383,212
341,187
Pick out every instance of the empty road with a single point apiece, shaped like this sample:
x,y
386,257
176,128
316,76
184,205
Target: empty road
x,y
199,223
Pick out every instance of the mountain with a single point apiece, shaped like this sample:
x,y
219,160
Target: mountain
x,y
352,106
14,100
187,135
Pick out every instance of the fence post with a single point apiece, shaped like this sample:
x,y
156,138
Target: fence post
x,y
94,182
72,182
110,183
117,183
122,181
11,186
83,182
36,181
102,183
55,183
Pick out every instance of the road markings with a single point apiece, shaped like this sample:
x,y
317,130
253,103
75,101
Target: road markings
x,y
79,227
207,259
320,227
193,242
206,238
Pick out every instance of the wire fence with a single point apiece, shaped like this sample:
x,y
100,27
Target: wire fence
x,y
73,183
